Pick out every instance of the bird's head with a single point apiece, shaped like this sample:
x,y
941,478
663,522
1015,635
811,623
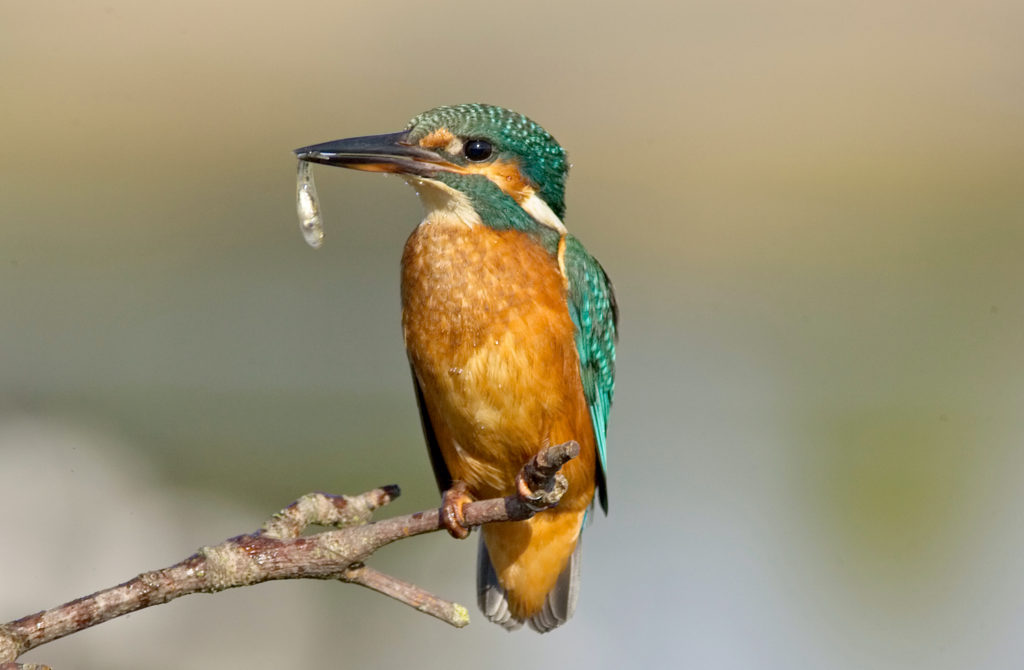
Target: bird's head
x,y
494,158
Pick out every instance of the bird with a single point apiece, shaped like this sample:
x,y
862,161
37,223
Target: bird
x,y
510,327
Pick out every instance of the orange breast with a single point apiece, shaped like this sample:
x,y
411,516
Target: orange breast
x,y
491,342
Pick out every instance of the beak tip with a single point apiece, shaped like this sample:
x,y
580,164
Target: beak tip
x,y
311,155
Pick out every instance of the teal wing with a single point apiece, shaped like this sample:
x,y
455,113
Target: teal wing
x,y
596,316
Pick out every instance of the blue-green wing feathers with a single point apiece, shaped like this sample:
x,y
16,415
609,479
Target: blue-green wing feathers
x,y
595,315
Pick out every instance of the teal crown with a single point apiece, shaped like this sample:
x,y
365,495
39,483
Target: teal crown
x,y
514,137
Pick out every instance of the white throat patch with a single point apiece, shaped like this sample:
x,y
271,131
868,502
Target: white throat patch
x,y
443,203
446,204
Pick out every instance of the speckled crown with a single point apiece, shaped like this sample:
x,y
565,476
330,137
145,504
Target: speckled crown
x,y
541,158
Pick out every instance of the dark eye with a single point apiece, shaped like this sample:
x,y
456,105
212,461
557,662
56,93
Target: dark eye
x,y
477,150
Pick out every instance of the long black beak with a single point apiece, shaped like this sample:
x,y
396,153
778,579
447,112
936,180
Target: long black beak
x,y
376,153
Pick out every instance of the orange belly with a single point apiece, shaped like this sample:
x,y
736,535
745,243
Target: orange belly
x,y
491,343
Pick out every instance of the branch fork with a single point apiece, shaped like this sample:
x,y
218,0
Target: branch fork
x,y
278,550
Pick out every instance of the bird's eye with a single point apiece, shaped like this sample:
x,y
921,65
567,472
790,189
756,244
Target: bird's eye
x,y
477,150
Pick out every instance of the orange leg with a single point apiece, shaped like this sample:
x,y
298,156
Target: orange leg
x,y
452,501
528,496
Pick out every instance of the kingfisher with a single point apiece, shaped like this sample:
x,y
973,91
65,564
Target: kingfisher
x,y
510,327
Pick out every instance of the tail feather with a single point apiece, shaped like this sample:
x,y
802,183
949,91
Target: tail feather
x,y
559,605
490,594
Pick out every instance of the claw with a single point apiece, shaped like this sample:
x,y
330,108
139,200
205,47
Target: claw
x,y
539,501
451,510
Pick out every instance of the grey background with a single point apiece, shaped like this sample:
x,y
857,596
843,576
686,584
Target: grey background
x,y
812,213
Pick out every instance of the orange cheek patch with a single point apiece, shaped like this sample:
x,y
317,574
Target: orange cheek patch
x,y
507,176
437,139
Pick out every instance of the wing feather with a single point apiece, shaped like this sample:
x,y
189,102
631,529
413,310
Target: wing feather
x,y
595,315
441,474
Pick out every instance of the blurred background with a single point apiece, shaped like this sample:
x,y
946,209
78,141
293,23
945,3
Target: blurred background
x,y
814,217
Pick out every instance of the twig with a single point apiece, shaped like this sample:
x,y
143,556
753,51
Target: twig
x,y
408,593
278,551
324,509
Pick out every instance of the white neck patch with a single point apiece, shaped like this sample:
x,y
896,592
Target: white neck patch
x,y
444,203
542,213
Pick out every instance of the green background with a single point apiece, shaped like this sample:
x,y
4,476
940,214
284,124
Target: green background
x,y
813,214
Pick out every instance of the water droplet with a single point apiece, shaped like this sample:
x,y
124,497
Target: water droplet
x,y
308,206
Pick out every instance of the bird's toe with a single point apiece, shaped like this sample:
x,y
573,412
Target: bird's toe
x,y
451,510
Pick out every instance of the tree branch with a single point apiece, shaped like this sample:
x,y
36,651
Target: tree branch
x,y
279,551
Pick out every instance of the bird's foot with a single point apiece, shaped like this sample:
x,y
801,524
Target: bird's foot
x,y
452,517
543,499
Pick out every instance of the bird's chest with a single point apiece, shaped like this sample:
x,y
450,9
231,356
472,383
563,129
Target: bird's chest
x,y
487,329
471,289
462,284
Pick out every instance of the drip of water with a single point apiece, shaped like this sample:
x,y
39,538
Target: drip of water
x,y
308,206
